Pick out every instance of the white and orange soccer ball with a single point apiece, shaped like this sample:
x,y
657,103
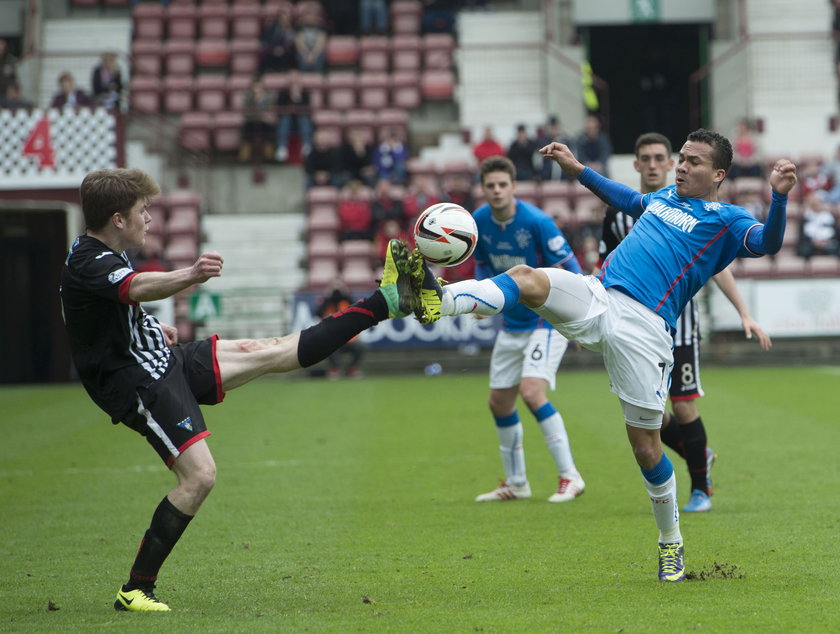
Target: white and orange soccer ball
x,y
446,234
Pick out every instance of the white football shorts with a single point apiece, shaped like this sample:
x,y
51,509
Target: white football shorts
x,y
635,342
533,353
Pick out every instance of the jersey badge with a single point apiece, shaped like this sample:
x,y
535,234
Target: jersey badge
x,y
119,274
186,424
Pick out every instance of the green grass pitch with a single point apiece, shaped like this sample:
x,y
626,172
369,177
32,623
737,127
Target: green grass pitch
x,y
348,507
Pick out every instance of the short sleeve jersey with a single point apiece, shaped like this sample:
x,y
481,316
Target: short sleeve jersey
x,y
116,346
676,245
529,237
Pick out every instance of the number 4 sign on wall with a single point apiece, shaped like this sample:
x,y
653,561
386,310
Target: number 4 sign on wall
x,y
39,144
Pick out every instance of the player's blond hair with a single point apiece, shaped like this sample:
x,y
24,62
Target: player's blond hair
x,y
106,192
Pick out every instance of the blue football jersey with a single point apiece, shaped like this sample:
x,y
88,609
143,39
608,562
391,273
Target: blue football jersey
x,y
531,238
676,245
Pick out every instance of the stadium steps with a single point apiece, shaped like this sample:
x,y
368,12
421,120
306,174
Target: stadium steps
x,y
262,255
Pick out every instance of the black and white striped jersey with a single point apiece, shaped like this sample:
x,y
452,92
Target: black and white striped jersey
x,y
615,228
116,346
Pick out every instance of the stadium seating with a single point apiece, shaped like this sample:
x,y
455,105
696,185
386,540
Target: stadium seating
x,y
210,93
147,58
342,50
374,53
212,53
145,94
322,272
177,94
374,90
363,120
246,21
437,51
331,124
528,191
405,90
227,131
341,90
244,56
181,22
148,21
180,57
395,119
195,132
406,53
437,85
213,20
406,17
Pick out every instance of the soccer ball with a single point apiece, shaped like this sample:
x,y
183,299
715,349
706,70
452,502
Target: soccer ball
x,y
446,234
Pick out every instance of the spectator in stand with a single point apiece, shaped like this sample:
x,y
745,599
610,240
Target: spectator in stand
x,y
337,299
8,67
67,94
277,43
746,157
818,228
831,173
357,157
373,17
310,44
388,230
521,153
258,127
355,213
488,146
106,81
421,194
551,133
458,190
386,205
13,99
323,163
341,17
594,146
390,159
439,16
293,107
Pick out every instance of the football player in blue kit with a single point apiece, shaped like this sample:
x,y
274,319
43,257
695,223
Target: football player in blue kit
x,y
683,235
682,429
527,351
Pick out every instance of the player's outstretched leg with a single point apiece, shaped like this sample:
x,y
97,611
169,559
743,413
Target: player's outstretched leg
x,y
671,565
397,281
139,600
427,288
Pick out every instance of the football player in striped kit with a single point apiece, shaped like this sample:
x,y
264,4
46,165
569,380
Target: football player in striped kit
x,y
683,430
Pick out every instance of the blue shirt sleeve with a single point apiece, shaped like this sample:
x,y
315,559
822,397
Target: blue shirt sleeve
x,y
614,194
767,238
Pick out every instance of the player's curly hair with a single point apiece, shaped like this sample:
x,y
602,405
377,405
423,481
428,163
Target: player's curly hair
x,y
721,147
108,191
496,164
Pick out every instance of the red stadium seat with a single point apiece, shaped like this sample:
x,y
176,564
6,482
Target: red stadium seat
x,y
147,58
180,57
395,119
331,124
213,21
212,53
341,90
322,194
271,7
437,85
322,272
438,49
357,273
247,21
183,220
405,90
227,131
244,56
275,81
405,53
181,251
374,53
528,191
406,17
148,21
342,50
145,94
210,93
181,22
314,83
323,218
322,246
306,8
363,120
177,94
237,86
374,89
195,132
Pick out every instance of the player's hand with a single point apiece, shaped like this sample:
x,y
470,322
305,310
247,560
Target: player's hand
x,y
170,334
783,176
562,155
206,266
750,327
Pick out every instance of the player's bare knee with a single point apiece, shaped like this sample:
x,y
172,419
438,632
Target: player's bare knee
x,y
202,481
533,285
685,411
532,393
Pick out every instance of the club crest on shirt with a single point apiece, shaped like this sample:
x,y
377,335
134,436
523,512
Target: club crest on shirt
x,y
523,238
186,424
711,206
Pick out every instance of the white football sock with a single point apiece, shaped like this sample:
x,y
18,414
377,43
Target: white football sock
x,y
663,499
483,297
557,441
513,455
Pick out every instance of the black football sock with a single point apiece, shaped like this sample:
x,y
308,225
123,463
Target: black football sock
x,y
327,336
168,524
671,436
694,439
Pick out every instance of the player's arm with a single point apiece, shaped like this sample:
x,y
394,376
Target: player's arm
x,y
767,238
153,285
726,283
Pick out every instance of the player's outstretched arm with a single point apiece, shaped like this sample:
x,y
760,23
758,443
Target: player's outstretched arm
x,y
767,239
154,285
726,283
562,155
